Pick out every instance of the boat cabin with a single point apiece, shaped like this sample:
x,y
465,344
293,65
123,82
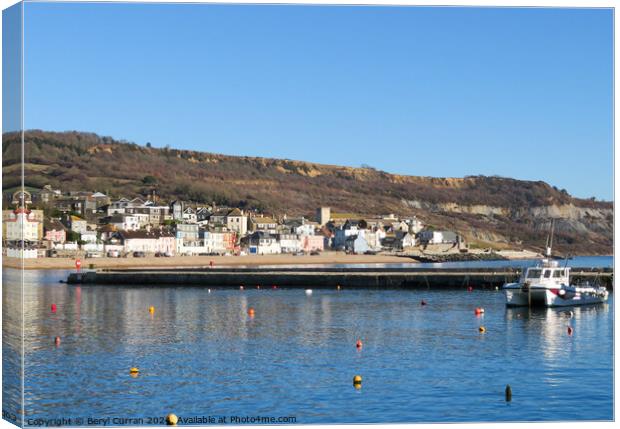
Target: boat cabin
x,y
548,273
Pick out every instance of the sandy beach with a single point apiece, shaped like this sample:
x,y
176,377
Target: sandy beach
x,y
203,261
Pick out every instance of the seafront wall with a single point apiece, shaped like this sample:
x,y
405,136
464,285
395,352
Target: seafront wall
x,y
440,278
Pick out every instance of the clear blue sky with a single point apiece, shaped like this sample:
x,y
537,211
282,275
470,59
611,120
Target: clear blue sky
x,y
524,93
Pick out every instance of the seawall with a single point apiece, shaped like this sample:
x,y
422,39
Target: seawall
x,y
440,278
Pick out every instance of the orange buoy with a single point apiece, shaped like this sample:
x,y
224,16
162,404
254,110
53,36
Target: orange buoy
x,y
57,341
478,311
359,344
570,331
251,312
53,308
338,287
151,309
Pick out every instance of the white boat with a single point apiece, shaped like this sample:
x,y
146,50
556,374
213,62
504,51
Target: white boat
x,y
548,285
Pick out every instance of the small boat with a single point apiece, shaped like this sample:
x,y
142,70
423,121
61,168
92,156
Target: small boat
x,y
548,285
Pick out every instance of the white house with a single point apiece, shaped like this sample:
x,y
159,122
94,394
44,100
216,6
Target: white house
x,y
261,243
356,244
219,242
237,221
125,222
89,236
290,243
415,225
408,240
18,221
144,241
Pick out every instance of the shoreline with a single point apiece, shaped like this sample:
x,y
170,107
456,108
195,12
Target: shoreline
x,y
325,258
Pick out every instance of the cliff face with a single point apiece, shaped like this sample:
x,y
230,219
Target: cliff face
x,y
577,229
497,210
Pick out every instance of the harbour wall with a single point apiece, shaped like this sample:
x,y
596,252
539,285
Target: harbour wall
x,y
440,278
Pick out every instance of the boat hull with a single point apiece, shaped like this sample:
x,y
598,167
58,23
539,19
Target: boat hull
x,y
518,295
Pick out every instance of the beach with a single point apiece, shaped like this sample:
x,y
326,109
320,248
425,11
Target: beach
x,y
202,261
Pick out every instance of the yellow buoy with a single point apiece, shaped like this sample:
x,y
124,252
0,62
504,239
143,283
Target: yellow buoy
x,y
482,329
151,309
134,370
357,379
172,419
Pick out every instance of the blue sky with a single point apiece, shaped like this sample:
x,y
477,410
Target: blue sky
x,y
524,93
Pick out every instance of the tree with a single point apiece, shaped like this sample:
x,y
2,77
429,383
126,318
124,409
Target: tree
x,y
149,180
73,236
148,144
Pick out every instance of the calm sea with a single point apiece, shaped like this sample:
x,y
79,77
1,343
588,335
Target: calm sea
x,y
201,355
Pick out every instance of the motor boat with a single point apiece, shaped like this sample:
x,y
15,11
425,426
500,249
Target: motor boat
x,y
548,285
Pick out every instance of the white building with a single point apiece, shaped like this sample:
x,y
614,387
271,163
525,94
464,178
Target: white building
x,y
19,221
125,222
356,244
290,243
219,242
89,236
261,243
237,221
143,241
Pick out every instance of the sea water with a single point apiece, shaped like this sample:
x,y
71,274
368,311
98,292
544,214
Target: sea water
x,y
201,356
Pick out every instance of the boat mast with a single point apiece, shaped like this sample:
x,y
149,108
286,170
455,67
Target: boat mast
x,y
550,239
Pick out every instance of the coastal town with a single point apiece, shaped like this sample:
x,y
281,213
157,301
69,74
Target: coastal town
x,y
93,225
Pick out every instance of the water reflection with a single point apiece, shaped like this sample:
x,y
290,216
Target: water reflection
x,y
200,352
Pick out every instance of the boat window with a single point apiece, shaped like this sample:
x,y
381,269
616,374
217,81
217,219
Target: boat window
x,y
547,274
558,273
533,274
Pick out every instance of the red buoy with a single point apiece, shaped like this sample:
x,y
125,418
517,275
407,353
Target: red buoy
x,y
57,341
53,308
274,287
257,286
469,289
570,331
251,312
478,311
359,344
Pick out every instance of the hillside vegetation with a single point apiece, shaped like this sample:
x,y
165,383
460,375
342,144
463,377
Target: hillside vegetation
x,y
487,210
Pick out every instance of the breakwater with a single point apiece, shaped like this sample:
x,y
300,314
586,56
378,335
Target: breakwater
x,y
317,277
